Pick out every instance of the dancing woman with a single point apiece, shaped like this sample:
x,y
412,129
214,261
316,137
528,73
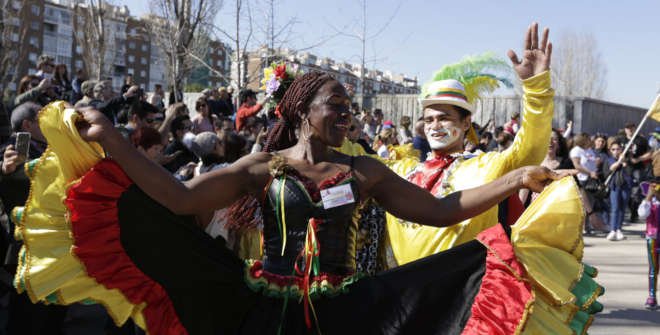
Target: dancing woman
x,y
132,231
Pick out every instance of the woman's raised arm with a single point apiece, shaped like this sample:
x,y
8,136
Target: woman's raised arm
x,y
412,203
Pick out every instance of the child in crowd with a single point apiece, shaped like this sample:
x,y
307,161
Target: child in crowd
x,y
649,209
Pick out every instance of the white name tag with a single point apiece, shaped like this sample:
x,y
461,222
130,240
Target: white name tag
x,y
337,196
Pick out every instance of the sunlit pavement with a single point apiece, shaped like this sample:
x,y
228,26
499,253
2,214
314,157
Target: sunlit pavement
x,y
623,271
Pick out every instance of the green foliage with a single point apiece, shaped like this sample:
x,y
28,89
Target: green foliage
x,y
194,88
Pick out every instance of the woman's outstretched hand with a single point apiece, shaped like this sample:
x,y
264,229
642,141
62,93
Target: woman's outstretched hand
x,y
536,178
93,126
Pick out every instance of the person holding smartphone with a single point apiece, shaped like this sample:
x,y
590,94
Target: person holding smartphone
x,y
25,144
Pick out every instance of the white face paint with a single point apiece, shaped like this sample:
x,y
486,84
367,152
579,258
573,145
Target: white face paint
x,y
443,137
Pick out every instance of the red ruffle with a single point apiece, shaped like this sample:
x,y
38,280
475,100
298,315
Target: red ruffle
x,y
313,189
92,204
504,296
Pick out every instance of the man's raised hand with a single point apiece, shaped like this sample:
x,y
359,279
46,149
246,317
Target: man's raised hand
x,y
536,54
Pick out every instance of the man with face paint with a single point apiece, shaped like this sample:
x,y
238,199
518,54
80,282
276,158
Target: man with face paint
x,y
447,126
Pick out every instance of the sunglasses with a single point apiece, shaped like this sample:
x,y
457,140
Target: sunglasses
x,y
152,120
351,128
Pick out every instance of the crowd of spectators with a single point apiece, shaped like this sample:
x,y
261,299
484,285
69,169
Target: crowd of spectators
x,y
223,128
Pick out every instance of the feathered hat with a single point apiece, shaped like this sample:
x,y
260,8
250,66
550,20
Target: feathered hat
x,y
461,84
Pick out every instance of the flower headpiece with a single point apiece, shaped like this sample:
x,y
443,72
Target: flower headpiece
x,y
277,79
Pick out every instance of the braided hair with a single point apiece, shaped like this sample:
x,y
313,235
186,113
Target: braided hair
x,y
302,90
245,213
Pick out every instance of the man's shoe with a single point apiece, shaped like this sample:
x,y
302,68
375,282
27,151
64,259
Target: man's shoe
x,y
620,236
651,304
611,236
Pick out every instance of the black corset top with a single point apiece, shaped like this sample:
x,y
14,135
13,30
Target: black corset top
x,y
291,201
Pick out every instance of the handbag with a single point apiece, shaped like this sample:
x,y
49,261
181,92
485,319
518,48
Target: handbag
x,y
597,188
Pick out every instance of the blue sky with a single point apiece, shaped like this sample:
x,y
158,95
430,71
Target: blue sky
x,y
424,35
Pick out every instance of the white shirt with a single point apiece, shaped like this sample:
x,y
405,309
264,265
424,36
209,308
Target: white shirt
x,y
587,160
382,152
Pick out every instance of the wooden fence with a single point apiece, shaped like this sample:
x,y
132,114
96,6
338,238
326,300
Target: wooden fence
x,y
588,115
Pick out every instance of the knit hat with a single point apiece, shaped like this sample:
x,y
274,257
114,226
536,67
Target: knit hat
x,y
204,144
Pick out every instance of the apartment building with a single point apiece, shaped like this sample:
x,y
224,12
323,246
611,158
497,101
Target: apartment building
x,y
375,81
56,28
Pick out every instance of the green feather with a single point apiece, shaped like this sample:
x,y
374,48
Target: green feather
x,y
476,73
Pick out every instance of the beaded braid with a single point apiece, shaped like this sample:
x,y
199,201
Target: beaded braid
x,y
303,89
241,215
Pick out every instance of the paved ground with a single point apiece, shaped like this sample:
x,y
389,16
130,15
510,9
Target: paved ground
x,y
623,272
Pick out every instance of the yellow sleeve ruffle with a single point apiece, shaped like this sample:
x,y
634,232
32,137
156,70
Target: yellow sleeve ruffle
x,y
547,240
48,271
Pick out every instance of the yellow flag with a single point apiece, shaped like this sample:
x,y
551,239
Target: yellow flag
x,y
655,109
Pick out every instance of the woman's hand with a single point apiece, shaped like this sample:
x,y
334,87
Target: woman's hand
x,y
93,126
536,178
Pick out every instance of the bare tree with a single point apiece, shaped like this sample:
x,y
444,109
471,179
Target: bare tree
x,y
11,50
362,33
180,30
97,41
240,37
578,68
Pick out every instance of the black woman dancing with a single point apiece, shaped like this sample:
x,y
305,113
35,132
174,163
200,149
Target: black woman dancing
x,y
121,232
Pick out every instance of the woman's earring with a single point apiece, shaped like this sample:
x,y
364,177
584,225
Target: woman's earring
x,y
305,133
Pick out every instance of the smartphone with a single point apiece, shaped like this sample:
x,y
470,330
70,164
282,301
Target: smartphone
x,y
23,146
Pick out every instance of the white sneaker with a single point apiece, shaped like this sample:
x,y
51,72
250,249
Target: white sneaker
x,y
611,236
619,235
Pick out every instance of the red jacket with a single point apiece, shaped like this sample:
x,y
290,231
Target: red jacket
x,y
245,112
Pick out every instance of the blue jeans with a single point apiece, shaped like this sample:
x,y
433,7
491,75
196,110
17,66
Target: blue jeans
x,y
618,202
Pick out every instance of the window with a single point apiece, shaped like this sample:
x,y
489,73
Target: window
x,y
78,49
17,5
12,86
14,37
131,45
34,41
143,74
79,64
131,58
50,28
65,18
219,62
144,47
143,61
50,13
32,71
32,57
130,71
36,10
34,25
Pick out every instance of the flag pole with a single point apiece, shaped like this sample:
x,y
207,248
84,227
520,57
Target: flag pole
x,y
639,128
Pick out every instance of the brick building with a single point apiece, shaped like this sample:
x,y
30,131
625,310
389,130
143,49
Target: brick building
x,y
55,27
